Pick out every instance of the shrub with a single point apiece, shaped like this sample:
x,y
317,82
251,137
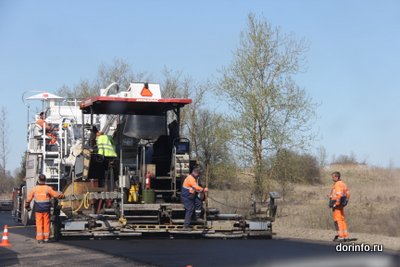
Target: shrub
x,y
295,167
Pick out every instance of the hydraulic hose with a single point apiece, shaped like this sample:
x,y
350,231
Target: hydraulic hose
x,y
84,202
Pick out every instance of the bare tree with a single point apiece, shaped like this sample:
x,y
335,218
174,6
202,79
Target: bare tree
x,y
270,111
4,148
193,123
322,156
175,86
119,71
208,131
212,135
20,174
81,90
6,179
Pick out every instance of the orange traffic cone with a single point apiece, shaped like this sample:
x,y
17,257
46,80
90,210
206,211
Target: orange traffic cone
x,y
4,240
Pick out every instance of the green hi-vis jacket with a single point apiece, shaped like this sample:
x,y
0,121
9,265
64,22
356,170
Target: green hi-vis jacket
x,y
105,146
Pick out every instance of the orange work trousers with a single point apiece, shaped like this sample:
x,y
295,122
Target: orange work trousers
x,y
42,225
340,222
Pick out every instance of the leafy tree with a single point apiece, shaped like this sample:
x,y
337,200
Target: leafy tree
x,y
270,111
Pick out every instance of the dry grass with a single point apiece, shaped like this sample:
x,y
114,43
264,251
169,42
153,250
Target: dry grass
x,y
231,201
5,196
373,207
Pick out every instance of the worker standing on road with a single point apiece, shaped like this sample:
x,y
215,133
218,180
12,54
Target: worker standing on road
x,y
339,198
188,196
105,145
42,195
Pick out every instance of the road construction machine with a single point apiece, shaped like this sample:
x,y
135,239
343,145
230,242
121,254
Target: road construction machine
x,y
134,190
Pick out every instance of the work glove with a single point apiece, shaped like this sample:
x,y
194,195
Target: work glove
x,y
332,203
205,189
28,207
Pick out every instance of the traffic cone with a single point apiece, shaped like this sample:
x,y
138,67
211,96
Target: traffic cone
x,y
4,240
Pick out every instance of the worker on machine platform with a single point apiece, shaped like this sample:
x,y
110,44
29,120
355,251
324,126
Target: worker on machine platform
x,y
105,145
189,199
42,195
48,127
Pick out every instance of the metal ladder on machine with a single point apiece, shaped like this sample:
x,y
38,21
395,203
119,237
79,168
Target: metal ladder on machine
x,y
51,166
55,174
180,169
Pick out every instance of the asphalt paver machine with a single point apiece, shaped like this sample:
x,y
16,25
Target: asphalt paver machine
x,y
136,190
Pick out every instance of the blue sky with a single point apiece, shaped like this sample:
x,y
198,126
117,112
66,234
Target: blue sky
x,y
353,62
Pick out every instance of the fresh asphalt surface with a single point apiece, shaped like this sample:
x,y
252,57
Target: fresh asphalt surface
x,y
217,252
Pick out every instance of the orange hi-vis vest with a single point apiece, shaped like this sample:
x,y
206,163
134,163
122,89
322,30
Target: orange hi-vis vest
x,y
338,191
42,123
42,195
190,184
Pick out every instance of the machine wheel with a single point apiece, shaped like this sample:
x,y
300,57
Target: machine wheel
x,y
15,207
55,228
25,218
24,212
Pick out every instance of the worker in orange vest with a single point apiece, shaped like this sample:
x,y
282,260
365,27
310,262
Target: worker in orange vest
x,y
188,196
42,195
47,127
338,199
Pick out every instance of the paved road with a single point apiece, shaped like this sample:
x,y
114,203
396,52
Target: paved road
x,y
25,251
206,252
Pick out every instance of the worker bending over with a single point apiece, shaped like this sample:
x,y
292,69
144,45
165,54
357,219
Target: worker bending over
x,y
189,199
339,198
42,195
